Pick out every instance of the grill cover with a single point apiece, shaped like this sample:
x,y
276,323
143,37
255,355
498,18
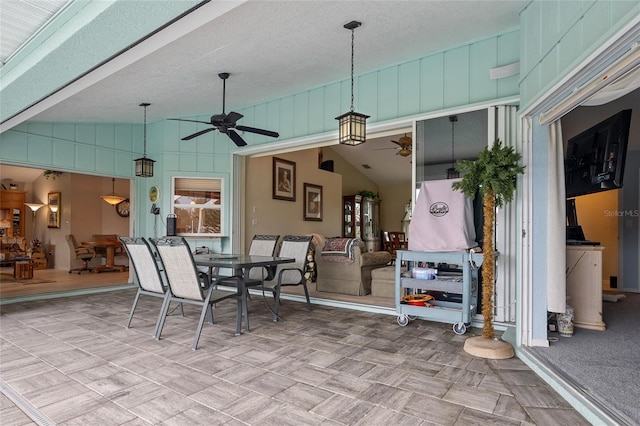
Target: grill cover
x,y
442,219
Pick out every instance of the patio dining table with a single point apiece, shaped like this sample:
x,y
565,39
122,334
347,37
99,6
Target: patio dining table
x,y
240,264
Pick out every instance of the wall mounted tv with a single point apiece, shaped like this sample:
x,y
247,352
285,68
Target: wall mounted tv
x,y
595,158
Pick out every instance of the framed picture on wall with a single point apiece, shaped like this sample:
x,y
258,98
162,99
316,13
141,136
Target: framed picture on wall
x,y
53,217
284,180
312,202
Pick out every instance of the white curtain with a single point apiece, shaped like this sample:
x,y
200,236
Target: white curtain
x,y
556,223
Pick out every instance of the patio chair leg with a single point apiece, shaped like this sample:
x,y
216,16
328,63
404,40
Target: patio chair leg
x,y
239,314
210,314
206,306
163,317
276,298
133,308
306,293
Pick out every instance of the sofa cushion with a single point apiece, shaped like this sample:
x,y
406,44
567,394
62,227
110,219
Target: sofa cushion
x,y
375,258
341,250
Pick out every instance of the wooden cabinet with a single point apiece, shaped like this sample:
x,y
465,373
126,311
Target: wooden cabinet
x,y
12,212
584,286
361,219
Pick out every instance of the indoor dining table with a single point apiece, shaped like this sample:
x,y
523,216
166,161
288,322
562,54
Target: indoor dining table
x,y
240,264
110,247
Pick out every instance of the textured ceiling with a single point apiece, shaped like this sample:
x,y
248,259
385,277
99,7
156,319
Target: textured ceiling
x,y
277,48
20,19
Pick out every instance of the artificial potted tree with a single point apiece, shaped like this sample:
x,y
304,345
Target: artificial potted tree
x,y
493,175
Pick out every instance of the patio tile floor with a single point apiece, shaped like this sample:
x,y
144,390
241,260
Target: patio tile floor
x,y
73,360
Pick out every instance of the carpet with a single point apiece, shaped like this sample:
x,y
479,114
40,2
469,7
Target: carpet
x,y
605,363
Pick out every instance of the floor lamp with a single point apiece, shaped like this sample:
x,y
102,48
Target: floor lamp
x,y
34,208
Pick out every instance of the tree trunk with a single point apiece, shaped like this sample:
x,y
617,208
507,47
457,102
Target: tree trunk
x,y
488,264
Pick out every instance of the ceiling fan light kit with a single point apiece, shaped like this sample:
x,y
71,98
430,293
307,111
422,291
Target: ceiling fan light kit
x,y
144,165
226,123
405,146
352,126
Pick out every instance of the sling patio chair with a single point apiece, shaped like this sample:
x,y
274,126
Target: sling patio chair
x,y
262,245
146,274
289,274
188,285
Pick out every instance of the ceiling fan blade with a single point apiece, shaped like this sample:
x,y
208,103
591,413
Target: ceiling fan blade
x,y
201,132
236,138
258,131
232,117
191,121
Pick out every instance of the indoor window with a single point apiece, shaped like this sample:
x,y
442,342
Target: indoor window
x,y
197,204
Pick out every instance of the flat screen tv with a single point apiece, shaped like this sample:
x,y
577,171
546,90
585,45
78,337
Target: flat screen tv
x,y
595,158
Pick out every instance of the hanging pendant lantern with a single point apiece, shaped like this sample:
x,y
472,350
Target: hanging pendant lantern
x,y
144,165
352,126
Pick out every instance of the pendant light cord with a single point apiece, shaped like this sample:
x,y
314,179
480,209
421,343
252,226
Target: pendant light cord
x,y
453,119
145,105
145,132
352,59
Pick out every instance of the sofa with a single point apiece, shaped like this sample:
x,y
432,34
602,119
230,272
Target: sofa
x,y
344,268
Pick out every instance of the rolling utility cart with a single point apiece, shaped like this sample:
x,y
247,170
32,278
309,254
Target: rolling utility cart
x,y
464,282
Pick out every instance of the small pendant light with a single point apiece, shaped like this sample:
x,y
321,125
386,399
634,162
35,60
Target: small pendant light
x,y
452,173
352,126
144,165
112,198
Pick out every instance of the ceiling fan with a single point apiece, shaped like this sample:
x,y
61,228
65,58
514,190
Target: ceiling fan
x,y
405,146
226,123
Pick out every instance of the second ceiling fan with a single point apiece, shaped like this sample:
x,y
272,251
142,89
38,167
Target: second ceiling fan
x,y
226,123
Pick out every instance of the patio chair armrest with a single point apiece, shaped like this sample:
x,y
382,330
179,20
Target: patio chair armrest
x,y
283,270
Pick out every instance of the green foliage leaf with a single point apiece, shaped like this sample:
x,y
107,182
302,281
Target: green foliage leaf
x,y
497,168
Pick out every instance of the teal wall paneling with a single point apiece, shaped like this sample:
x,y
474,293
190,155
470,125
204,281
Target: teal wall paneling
x,y
548,27
562,43
64,131
86,133
300,114
42,129
124,165
456,77
595,22
221,164
186,162
332,106
387,90
273,114
285,117
39,149
124,136
106,135
409,88
431,83
484,56
316,118
85,158
63,156
507,53
366,96
105,160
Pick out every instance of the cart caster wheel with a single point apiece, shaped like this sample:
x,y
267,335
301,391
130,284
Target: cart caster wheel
x,y
403,320
412,317
459,328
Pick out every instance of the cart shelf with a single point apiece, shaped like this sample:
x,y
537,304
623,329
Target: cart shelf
x,y
464,282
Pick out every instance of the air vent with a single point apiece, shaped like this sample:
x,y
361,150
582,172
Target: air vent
x,y
366,166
